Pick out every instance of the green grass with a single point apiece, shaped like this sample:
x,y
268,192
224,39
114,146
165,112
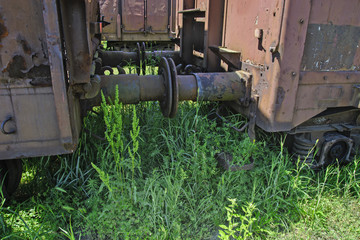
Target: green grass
x,y
156,178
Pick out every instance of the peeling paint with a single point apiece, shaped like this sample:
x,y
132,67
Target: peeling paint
x,y
331,48
3,30
24,44
15,67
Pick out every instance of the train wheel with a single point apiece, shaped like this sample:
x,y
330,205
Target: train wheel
x,y
10,176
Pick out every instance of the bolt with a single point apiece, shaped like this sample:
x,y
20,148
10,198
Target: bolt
x,y
325,77
348,77
293,74
301,20
258,33
272,49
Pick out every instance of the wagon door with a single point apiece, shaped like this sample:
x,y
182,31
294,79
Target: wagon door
x,y
133,15
145,20
157,16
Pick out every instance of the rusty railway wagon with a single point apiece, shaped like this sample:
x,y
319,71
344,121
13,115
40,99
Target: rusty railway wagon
x,y
289,66
132,21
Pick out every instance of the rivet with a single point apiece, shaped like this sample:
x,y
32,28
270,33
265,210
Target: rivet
x,y
258,33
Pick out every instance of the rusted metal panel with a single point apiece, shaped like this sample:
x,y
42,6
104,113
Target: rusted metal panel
x,y
188,4
139,20
321,90
203,5
241,20
29,106
31,149
220,86
336,25
157,16
270,37
213,29
331,47
335,12
132,14
32,85
109,9
293,35
25,50
75,17
7,111
52,29
173,14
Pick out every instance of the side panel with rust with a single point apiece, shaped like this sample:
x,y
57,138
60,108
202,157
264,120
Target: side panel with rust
x,y
30,81
241,20
304,57
132,14
331,59
110,11
139,20
157,16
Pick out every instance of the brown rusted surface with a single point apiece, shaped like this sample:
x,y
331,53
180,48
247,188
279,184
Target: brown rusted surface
x,y
241,20
138,20
213,29
285,73
35,120
274,57
322,90
187,87
76,18
23,37
220,86
109,9
61,104
132,15
132,88
335,12
32,85
278,40
199,86
3,30
331,48
157,16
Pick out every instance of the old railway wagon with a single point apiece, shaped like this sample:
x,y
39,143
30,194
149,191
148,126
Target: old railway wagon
x,y
138,21
289,66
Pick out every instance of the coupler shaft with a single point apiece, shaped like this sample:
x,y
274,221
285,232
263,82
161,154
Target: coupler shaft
x,y
169,88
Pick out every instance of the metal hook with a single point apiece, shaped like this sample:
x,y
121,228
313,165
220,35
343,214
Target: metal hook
x,y
8,118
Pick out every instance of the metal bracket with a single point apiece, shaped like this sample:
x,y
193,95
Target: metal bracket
x,y
246,100
97,27
252,115
230,57
8,119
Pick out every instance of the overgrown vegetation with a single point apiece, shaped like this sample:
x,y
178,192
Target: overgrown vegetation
x,y
137,175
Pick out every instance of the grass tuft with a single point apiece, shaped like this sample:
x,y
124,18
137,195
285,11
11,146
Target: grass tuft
x,y
147,177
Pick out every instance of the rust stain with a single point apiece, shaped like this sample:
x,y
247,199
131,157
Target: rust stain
x,y
83,59
24,44
15,67
3,30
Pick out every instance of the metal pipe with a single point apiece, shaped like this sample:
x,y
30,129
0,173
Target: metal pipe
x,y
114,58
187,87
228,86
175,55
133,88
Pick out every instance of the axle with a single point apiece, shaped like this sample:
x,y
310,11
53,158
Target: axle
x,y
169,88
